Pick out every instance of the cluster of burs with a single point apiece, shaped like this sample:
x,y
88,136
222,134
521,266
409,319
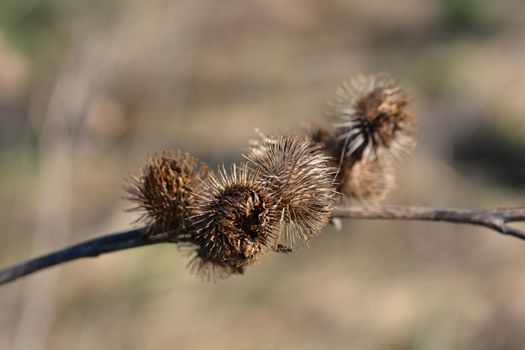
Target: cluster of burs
x,y
283,193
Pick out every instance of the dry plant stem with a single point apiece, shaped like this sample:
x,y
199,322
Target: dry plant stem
x,y
88,249
495,219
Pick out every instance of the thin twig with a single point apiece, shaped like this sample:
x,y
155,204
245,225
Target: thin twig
x,y
88,249
495,219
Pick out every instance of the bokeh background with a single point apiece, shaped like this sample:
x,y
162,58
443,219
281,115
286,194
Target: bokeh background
x,y
89,88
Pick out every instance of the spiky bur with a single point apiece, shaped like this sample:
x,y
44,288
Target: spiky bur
x,y
301,179
164,191
366,180
372,119
235,221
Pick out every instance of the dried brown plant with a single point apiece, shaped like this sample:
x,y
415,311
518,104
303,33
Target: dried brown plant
x,y
302,181
372,118
283,195
368,181
164,191
235,221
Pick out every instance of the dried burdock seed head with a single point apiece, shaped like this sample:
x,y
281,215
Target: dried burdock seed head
x,y
301,179
367,181
164,191
235,221
372,119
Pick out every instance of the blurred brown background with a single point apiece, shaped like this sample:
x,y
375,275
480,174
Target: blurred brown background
x,y
89,88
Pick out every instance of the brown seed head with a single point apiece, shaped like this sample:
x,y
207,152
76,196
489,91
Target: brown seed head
x,y
235,220
371,118
368,180
301,179
164,191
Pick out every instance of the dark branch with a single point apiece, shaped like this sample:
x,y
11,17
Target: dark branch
x,y
495,219
88,249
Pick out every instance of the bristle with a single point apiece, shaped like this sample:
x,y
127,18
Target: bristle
x,y
372,119
235,220
301,179
164,191
211,271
